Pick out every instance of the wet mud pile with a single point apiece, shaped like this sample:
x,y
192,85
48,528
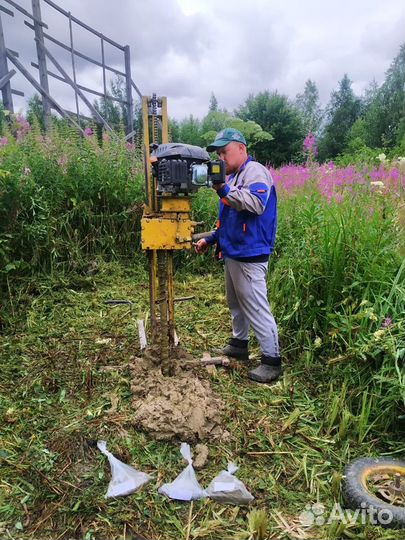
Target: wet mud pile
x,y
181,406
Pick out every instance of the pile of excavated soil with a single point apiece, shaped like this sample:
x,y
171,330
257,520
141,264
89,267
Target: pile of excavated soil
x,y
182,406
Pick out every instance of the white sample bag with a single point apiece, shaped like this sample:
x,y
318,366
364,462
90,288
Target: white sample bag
x,y
228,489
124,479
185,487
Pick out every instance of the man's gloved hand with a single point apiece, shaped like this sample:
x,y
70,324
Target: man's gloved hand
x,y
217,187
201,246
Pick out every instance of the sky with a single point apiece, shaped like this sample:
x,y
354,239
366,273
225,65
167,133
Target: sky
x,y
187,49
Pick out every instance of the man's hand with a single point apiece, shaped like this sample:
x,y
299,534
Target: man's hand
x,y
201,246
217,187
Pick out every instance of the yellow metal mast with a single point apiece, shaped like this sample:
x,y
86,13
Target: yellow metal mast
x,y
166,226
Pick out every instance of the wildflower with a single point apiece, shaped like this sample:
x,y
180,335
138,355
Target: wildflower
x,y
3,141
88,132
23,127
309,145
371,315
62,162
27,171
387,322
377,186
382,157
379,334
317,342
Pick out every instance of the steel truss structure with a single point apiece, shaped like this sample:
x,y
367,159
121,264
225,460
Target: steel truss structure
x,y
41,37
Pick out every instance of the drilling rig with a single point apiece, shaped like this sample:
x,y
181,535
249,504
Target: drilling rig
x,y
173,172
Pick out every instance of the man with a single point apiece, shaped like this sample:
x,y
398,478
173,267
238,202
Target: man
x,y
245,237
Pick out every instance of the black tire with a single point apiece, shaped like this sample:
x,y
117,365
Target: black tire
x,y
357,495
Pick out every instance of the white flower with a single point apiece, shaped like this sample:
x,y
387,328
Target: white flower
x,y
379,334
377,183
317,342
382,157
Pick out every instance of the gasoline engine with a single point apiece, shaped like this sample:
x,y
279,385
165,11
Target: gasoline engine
x,y
184,168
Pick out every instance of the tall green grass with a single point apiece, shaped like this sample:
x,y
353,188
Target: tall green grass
x,y
337,287
65,198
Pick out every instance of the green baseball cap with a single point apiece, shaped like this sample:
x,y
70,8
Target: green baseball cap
x,y
225,137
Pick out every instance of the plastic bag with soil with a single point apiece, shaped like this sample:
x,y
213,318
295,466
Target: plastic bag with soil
x,y
227,489
185,487
124,478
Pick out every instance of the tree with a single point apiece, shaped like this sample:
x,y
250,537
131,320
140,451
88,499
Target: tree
x,y
190,131
213,106
342,112
202,133
308,105
174,130
255,136
35,111
114,112
370,93
384,118
215,121
277,116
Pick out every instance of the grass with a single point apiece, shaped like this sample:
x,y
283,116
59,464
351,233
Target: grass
x,y
337,290
65,384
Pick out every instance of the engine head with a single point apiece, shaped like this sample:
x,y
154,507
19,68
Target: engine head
x,y
184,168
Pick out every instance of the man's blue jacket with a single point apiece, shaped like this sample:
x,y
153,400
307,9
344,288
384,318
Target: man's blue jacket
x,y
247,219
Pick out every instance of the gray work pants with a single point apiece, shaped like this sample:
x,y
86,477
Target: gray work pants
x,y
246,293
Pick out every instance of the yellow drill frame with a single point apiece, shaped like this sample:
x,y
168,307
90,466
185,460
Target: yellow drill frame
x,y
166,226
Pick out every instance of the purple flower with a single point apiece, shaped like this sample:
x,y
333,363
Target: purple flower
x,y
22,126
3,141
310,144
387,322
335,182
88,132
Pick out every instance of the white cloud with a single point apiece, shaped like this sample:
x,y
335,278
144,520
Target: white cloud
x,y
186,49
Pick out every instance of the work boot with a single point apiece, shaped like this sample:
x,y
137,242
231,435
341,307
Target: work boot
x,y
236,348
268,370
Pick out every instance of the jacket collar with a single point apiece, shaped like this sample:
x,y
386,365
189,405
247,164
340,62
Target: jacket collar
x,y
232,176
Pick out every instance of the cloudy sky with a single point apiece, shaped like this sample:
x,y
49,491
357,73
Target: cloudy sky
x,y
187,49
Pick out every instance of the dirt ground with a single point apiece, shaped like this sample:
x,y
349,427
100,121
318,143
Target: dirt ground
x,y
181,406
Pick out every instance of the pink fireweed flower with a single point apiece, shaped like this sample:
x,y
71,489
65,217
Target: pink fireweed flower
x,y
338,197
335,182
23,127
62,162
387,322
88,132
3,141
309,145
